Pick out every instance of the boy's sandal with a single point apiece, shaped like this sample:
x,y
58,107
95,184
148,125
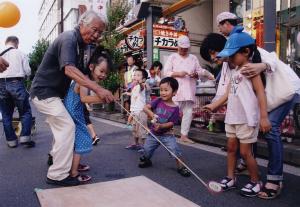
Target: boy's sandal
x,y
83,168
268,193
184,172
83,178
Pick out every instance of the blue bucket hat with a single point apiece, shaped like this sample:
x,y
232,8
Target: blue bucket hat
x,y
235,42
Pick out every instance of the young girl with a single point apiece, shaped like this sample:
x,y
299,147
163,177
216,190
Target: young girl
x,y
75,99
164,114
246,111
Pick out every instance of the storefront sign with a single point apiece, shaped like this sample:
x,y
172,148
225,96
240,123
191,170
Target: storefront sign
x,y
135,41
165,36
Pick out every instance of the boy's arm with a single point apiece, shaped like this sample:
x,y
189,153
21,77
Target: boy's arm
x,y
258,86
85,98
148,111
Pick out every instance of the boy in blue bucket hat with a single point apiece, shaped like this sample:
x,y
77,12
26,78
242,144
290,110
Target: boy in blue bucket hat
x,y
246,111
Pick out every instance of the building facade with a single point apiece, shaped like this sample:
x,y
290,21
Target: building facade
x,y
57,16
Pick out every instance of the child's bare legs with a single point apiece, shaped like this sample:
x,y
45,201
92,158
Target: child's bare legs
x,y
232,146
246,153
91,130
129,120
75,165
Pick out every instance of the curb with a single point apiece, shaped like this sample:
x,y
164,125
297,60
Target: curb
x,y
291,152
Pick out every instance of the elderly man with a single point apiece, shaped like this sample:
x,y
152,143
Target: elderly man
x,y
186,69
63,62
13,93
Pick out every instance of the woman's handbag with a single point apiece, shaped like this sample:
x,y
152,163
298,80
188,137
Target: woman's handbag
x,y
279,88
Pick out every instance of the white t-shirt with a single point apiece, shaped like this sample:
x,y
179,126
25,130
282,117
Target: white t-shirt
x,y
138,99
242,106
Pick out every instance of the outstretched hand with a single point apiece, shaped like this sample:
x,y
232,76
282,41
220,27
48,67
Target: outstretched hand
x,y
105,95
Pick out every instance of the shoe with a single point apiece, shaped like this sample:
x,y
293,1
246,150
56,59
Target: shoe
x,y
131,147
83,168
241,169
184,172
129,126
251,189
96,139
187,140
270,193
145,162
68,181
12,144
28,144
227,183
50,160
83,178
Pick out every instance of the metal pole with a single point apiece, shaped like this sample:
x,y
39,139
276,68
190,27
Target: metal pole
x,y
270,25
149,26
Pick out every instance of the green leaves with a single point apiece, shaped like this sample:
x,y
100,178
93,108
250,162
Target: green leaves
x,y
35,58
112,82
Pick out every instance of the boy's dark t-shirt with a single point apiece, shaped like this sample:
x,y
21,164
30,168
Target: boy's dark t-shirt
x,y
165,114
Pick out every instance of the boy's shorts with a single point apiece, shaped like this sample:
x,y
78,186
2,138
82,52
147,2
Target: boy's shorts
x,y
137,129
243,132
169,140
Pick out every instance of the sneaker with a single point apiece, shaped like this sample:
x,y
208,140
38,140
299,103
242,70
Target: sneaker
x,y
83,168
227,183
12,144
241,169
131,147
184,172
96,139
50,160
68,181
251,189
145,162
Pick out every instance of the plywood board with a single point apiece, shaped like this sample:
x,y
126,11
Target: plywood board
x,y
136,191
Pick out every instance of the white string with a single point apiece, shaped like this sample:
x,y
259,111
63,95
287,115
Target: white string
x,y
197,177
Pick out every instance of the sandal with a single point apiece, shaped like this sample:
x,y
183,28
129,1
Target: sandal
x,y
83,178
269,193
184,172
83,168
227,183
96,139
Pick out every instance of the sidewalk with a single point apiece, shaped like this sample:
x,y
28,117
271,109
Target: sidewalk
x,y
291,151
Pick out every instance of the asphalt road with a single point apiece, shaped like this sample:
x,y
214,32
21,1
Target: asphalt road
x,y
22,170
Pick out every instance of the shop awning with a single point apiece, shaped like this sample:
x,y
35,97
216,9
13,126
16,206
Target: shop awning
x,y
173,9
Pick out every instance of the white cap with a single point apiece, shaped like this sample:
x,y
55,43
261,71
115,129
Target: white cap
x,y
225,15
184,41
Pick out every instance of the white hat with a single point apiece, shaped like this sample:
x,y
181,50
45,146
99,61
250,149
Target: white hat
x,y
184,41
225,15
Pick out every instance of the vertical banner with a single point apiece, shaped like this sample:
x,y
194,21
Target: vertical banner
x,y
100,6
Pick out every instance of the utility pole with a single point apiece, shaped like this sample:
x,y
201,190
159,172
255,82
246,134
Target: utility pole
x,y
270,25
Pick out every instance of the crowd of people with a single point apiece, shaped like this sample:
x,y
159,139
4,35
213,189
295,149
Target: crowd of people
x,y
61,90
